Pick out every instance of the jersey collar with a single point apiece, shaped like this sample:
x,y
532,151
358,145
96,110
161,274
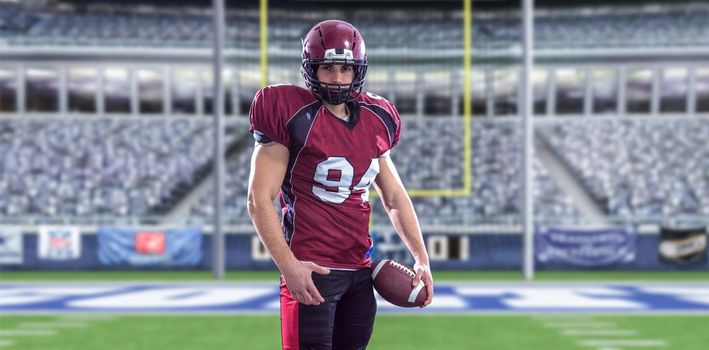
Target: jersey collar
x,y
353,107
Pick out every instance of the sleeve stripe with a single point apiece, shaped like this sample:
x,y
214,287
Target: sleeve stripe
x,y
261,137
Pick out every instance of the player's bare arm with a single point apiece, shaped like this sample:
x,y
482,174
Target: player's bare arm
x,y
401,212
268,168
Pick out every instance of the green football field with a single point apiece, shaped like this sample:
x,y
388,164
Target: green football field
x,y
391,332
431,331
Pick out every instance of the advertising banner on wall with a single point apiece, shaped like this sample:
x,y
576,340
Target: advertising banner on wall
x,y
585,247
388,245
11,252
150,248
59,243
686,246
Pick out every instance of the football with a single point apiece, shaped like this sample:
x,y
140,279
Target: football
x,y
392,280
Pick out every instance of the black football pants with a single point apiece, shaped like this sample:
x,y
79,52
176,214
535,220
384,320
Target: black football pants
x,y
343,322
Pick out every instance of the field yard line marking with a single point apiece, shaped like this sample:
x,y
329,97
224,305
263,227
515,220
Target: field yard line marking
x,y
599,332
569,320
86,317
623,342
565,317
581,325
53,325
26,332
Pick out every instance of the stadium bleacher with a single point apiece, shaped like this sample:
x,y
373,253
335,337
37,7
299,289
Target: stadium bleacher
x,y
15,19
74,168
638,168
66,167
137,168
429,156
126,168
666,27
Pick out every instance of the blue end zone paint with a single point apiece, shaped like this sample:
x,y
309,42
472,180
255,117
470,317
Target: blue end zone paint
x,y
664,301
165,298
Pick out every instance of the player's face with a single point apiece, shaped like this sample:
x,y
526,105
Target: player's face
x,y
335,73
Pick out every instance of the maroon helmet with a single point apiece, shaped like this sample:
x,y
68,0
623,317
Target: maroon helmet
x,y
334,42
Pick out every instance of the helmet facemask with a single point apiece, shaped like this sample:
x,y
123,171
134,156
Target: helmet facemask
x,y
335,94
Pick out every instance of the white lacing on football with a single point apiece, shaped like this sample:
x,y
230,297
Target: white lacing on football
x,y
403,268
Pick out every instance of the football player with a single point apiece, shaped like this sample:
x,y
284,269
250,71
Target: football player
x,y
319,150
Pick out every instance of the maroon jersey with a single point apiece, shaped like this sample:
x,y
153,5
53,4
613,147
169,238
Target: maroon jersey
x,y
324,196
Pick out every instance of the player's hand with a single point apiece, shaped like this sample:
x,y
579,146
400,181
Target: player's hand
x,y
423,272
299,281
